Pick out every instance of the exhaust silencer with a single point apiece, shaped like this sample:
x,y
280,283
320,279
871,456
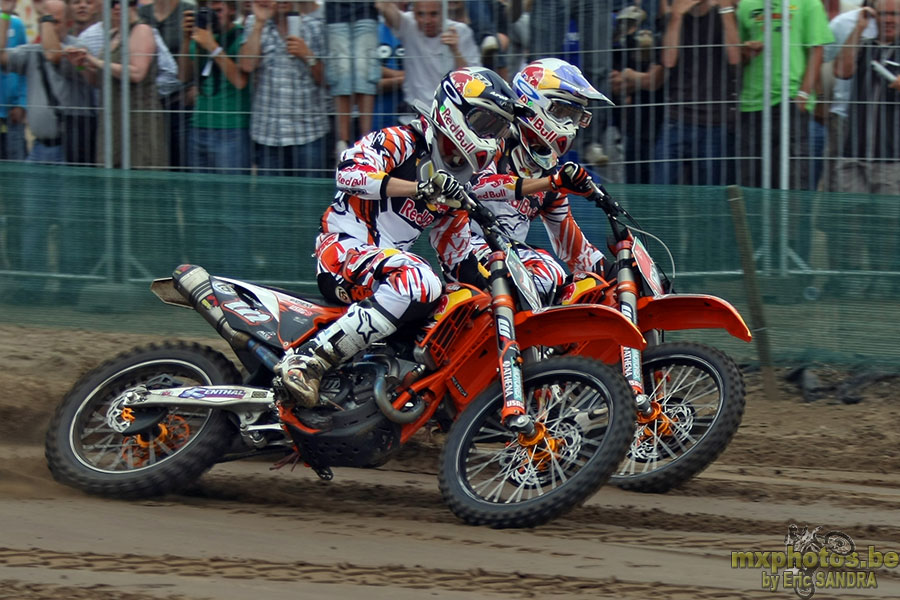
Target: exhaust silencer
x,y
192,282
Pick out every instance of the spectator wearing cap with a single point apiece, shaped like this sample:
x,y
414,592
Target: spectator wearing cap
x,y
635,82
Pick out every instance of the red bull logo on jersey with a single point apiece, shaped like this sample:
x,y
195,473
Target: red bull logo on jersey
x,y
422,218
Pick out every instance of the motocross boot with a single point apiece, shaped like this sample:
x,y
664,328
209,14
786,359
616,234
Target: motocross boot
x,y
301,370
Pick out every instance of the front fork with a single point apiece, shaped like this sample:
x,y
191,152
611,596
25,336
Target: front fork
x,y
514,414
627,291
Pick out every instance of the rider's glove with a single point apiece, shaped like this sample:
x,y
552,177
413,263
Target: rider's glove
x,y
571,179
441,188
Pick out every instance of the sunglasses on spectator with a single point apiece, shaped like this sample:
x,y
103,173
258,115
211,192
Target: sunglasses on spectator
x,y
565,111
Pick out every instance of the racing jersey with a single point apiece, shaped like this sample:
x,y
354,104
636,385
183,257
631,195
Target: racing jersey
x,y
497,187
362,211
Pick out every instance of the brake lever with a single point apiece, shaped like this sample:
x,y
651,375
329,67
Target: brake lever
x,y
601,198
481,213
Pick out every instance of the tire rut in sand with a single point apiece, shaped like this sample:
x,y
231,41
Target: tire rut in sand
x,y
335,500
473,580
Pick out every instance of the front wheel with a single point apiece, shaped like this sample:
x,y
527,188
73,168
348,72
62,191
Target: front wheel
x,y
698,396
84,450
583,413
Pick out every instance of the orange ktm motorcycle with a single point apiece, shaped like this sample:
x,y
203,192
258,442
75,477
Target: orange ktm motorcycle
x,y
526,442
689,396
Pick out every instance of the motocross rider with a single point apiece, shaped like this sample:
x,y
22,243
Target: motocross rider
x,y
391,185
526,181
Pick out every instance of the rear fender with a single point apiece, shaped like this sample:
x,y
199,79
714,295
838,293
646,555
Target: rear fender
x,y
674,312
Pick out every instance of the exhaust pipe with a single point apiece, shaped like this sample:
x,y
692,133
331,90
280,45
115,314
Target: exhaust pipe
x,y
192,282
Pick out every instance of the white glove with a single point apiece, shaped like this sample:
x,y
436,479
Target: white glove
x,y
441,188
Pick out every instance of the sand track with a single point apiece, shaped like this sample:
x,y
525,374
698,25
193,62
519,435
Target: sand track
x,y
244,531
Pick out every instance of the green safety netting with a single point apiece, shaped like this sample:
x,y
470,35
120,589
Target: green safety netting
x,y
79,247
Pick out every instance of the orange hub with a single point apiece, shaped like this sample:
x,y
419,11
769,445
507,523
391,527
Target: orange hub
x,y
551,446
663,422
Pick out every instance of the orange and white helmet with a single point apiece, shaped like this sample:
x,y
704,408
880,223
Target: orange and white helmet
x,y
558,93
472,112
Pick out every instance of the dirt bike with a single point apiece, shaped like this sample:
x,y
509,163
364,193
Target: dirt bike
x,y
526,443
690,397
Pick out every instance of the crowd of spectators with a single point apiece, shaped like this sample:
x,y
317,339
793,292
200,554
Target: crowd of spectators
x,y
283,87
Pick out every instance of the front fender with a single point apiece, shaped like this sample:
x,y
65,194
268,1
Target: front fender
x,y
692,311
576,323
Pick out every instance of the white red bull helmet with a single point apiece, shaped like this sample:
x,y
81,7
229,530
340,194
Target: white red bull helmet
x,y
472,112
558,94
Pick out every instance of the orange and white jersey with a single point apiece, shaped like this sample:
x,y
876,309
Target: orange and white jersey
x,y
362,211
500,189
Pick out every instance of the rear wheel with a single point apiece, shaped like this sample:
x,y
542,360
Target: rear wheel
x,y
698,393
583,413
85,450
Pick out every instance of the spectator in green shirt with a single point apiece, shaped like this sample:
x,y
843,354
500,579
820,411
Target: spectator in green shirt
x,y
219,134
809,32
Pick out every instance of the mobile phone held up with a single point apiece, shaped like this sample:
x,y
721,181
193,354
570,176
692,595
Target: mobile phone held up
x,y
206,17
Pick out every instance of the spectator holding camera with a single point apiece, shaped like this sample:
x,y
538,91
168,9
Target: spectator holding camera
x,y
288,123
219,135
432,47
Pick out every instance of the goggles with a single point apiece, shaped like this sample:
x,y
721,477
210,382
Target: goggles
x,y
486,124
566,111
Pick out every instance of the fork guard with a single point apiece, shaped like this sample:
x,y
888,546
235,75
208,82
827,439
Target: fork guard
x,y
674,312
561,325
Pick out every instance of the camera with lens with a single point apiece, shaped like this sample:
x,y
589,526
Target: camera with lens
x,y
204,17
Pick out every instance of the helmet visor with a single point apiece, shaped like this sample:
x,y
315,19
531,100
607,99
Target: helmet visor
x,y
566,111
486,124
